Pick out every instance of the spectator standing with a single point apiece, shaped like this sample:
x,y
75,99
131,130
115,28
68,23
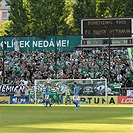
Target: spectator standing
x,y
26,93
18,94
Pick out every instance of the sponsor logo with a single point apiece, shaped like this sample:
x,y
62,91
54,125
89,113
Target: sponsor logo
x,y
14,100
96,100
3,102
4,99
125,100
99,89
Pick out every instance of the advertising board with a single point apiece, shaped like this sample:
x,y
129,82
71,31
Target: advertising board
x,y
125,100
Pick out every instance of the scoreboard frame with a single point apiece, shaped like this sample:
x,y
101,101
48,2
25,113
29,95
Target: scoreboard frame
x,y
113,28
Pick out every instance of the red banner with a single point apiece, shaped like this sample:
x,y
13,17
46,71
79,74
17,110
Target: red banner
x,y
125,100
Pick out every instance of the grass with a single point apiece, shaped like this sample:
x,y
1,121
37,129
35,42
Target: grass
x,y
64,119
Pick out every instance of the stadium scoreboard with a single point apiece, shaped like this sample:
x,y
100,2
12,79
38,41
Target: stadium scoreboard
x,y
119,30
103,28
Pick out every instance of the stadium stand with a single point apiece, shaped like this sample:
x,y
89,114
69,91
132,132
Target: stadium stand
x,y
23,68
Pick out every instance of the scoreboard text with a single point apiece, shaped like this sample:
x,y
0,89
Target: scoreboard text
x,y
105,28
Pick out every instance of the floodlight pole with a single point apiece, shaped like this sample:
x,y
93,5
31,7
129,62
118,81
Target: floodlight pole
x,y
56,34
3,67
132,9
109,59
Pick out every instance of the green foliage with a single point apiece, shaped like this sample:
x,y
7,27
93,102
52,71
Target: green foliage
x,y
114,8
4,28
44,15
35,17
68,17
83,9
38,17
19,17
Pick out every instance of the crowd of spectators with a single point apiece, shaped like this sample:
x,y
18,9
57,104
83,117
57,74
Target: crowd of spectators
x,y
23,68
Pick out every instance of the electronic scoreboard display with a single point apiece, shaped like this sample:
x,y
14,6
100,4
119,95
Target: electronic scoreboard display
x,y
105,28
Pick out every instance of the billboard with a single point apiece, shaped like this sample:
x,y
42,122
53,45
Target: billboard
x,y
125,100
33,43
13,100
96,99
8,90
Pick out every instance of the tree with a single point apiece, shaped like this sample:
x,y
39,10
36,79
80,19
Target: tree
x,y
19,17
38,17
35,17
68,17
114,8
5,28
83,9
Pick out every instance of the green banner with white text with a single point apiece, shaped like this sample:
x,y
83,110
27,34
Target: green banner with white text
x,y
23,44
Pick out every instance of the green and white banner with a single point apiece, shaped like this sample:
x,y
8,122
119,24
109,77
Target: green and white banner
x,y
63,43
95,87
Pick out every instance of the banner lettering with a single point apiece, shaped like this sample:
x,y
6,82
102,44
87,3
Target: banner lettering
x,y
7,90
